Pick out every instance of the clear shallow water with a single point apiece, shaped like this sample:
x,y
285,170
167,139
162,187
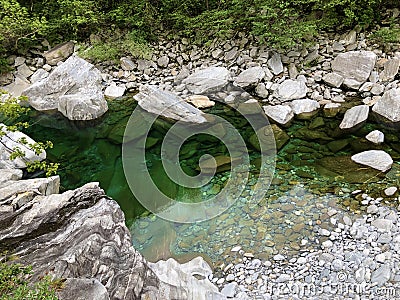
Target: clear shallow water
x,y
313,174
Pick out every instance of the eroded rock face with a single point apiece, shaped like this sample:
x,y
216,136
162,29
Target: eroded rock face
x,y
73,88
81,235
354,66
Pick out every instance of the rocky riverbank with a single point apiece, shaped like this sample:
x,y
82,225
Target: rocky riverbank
x,y
302,83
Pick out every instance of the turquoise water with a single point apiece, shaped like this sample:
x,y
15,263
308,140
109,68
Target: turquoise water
x,y
313,174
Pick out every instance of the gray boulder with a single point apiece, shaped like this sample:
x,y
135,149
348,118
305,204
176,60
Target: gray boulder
x,y
333,79
275,64
207,80
17,140
376,137
354,66
59,53
355,116
250,77
390,69
305,108
166,104
389,106
281,114
376,159
292,89
74,88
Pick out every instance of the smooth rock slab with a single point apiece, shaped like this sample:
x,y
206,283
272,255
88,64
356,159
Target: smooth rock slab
x,y
281,114
356,115
292,89
169,105
389,106
208,80
305,108
354,66
74,88
376,159
250,77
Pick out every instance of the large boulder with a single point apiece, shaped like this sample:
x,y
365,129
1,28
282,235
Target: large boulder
x,y
376,159
389,106
166,104
13,140
74,88
291,90
207,80
281,114
354,117
81,236
354,66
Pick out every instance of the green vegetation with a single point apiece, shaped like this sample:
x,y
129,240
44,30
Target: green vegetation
x,y
15,285
10,113
280,24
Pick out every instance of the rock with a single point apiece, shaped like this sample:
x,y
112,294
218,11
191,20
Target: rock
x,y
390,69
291,89
168,105
207,80
9,175
275,64
331,109
127,64
376,159
19,61
39,75
172,273
229,290
377,137
333,79
354,66
81,289
389,106
262,91
59,53
381,275
390,191
250,77
304,108
200,101
281,114
355,116
163,61
17,87
24,71
272,138
11,140
99,257
114,91
74,88
6,78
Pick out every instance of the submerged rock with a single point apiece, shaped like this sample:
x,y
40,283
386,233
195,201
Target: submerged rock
x,y
73,88
376,159
354,66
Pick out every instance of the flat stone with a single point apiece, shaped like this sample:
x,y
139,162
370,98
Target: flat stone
x,y
114,91
200,101
389,105
331,109
304,108
127,64
59,53
281,114
390,69
291,89
24,71
250,77
355,116
376,159
229,290
39,75
377,137
383,224
17,87
275,64
207,80
390,191
354,66
333,79
163,61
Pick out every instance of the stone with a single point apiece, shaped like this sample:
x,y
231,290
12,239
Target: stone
x,y
127,64
333,79
11,140
24,71
281,114
269,138
376,159
291,89
163,61
390,191
39,75
168,105
304,108
381,275
293,73
229,290
73,88
114,91
377,137
9,175
331,109
19,61
354,66
262,91
383,224
389,106
390,70
59,53
275,64
82,288
355,116
17,87
200,101
6,78
207,80
250,77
